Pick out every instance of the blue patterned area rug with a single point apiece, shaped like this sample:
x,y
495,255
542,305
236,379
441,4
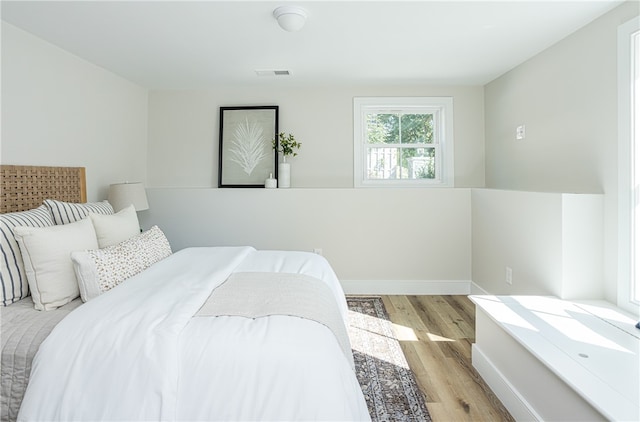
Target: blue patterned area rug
x,y
388,384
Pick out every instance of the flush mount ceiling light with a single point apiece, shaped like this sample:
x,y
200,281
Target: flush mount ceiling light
x,y
290,18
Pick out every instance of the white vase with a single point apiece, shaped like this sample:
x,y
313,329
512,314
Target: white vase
x,y
284,175
270,183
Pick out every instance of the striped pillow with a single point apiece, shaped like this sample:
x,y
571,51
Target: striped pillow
x,y
12,273
69,212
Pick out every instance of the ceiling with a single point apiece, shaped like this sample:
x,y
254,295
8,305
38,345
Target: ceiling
x,y
195,45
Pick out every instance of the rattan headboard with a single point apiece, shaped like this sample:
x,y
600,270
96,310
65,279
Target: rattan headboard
x,y
26,187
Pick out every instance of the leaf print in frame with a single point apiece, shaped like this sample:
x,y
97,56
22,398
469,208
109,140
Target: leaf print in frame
x,y
246,155
249,146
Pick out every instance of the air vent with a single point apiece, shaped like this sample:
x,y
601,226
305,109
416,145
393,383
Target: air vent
x,y
272,72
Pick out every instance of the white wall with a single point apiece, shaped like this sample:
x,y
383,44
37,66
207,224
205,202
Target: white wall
x,y
551,241
566,96
58,109
366,234
183,131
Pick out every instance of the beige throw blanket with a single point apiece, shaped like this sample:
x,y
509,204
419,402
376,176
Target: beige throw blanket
x,y
255,295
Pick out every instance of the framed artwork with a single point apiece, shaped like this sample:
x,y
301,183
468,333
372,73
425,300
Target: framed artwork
x,y
247,157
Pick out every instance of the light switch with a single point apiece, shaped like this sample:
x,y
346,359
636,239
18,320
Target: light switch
x,y
520,133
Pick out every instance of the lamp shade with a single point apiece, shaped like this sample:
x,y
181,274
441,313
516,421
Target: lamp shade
x,y
121,195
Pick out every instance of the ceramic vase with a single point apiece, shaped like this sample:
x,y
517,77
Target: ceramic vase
x,y
271,183
284,175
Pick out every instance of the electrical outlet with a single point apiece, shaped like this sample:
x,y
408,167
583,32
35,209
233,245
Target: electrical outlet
x,y
317,251
520,132
508,275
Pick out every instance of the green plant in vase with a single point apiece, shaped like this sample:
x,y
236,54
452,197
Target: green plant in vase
x,y
286,145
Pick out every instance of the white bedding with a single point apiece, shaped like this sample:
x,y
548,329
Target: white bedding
x,y
136,353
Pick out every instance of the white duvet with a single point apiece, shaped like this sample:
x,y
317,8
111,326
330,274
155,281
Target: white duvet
x,y
136,353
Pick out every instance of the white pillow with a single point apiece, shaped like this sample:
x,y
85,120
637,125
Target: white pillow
x,y
101,270
115,228
69,212
47,260
14,279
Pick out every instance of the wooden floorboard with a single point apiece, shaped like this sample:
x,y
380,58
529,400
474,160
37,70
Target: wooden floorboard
x,y
439,354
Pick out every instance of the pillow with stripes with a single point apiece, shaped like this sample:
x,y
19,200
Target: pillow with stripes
x,y
15,285
70,212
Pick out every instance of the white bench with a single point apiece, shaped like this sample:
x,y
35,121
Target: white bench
x,y
550,359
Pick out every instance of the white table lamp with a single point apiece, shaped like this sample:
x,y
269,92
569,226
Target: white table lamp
x,y
121,195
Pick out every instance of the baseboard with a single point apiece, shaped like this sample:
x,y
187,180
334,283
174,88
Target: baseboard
x,y
515,403
406,287
477,290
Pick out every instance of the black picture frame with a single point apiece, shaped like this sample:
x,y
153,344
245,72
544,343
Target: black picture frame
x,y
246,157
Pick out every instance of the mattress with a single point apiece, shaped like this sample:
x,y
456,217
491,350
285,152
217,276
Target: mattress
x,y
23,329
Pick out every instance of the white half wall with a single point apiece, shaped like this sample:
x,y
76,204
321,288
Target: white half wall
x,y
60,110
551,241
366,234
582,246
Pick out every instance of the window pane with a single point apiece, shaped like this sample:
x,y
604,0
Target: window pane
x,y
383,129
401,163
419,163
403,141
417,129
382,163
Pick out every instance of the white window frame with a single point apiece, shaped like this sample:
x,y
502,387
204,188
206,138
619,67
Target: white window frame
x,y
442,107
628,166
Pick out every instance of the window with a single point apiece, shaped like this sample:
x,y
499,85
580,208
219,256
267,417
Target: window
x,y
629,165
403,141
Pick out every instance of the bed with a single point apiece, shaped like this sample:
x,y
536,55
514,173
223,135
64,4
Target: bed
x,y
207,333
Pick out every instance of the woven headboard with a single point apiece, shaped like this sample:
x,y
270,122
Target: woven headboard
x,y
26,187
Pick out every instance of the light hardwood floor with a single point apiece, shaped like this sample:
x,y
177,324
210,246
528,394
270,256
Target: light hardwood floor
x,y
441,357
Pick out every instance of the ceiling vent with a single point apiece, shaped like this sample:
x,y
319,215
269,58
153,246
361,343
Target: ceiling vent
x,y
272,72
